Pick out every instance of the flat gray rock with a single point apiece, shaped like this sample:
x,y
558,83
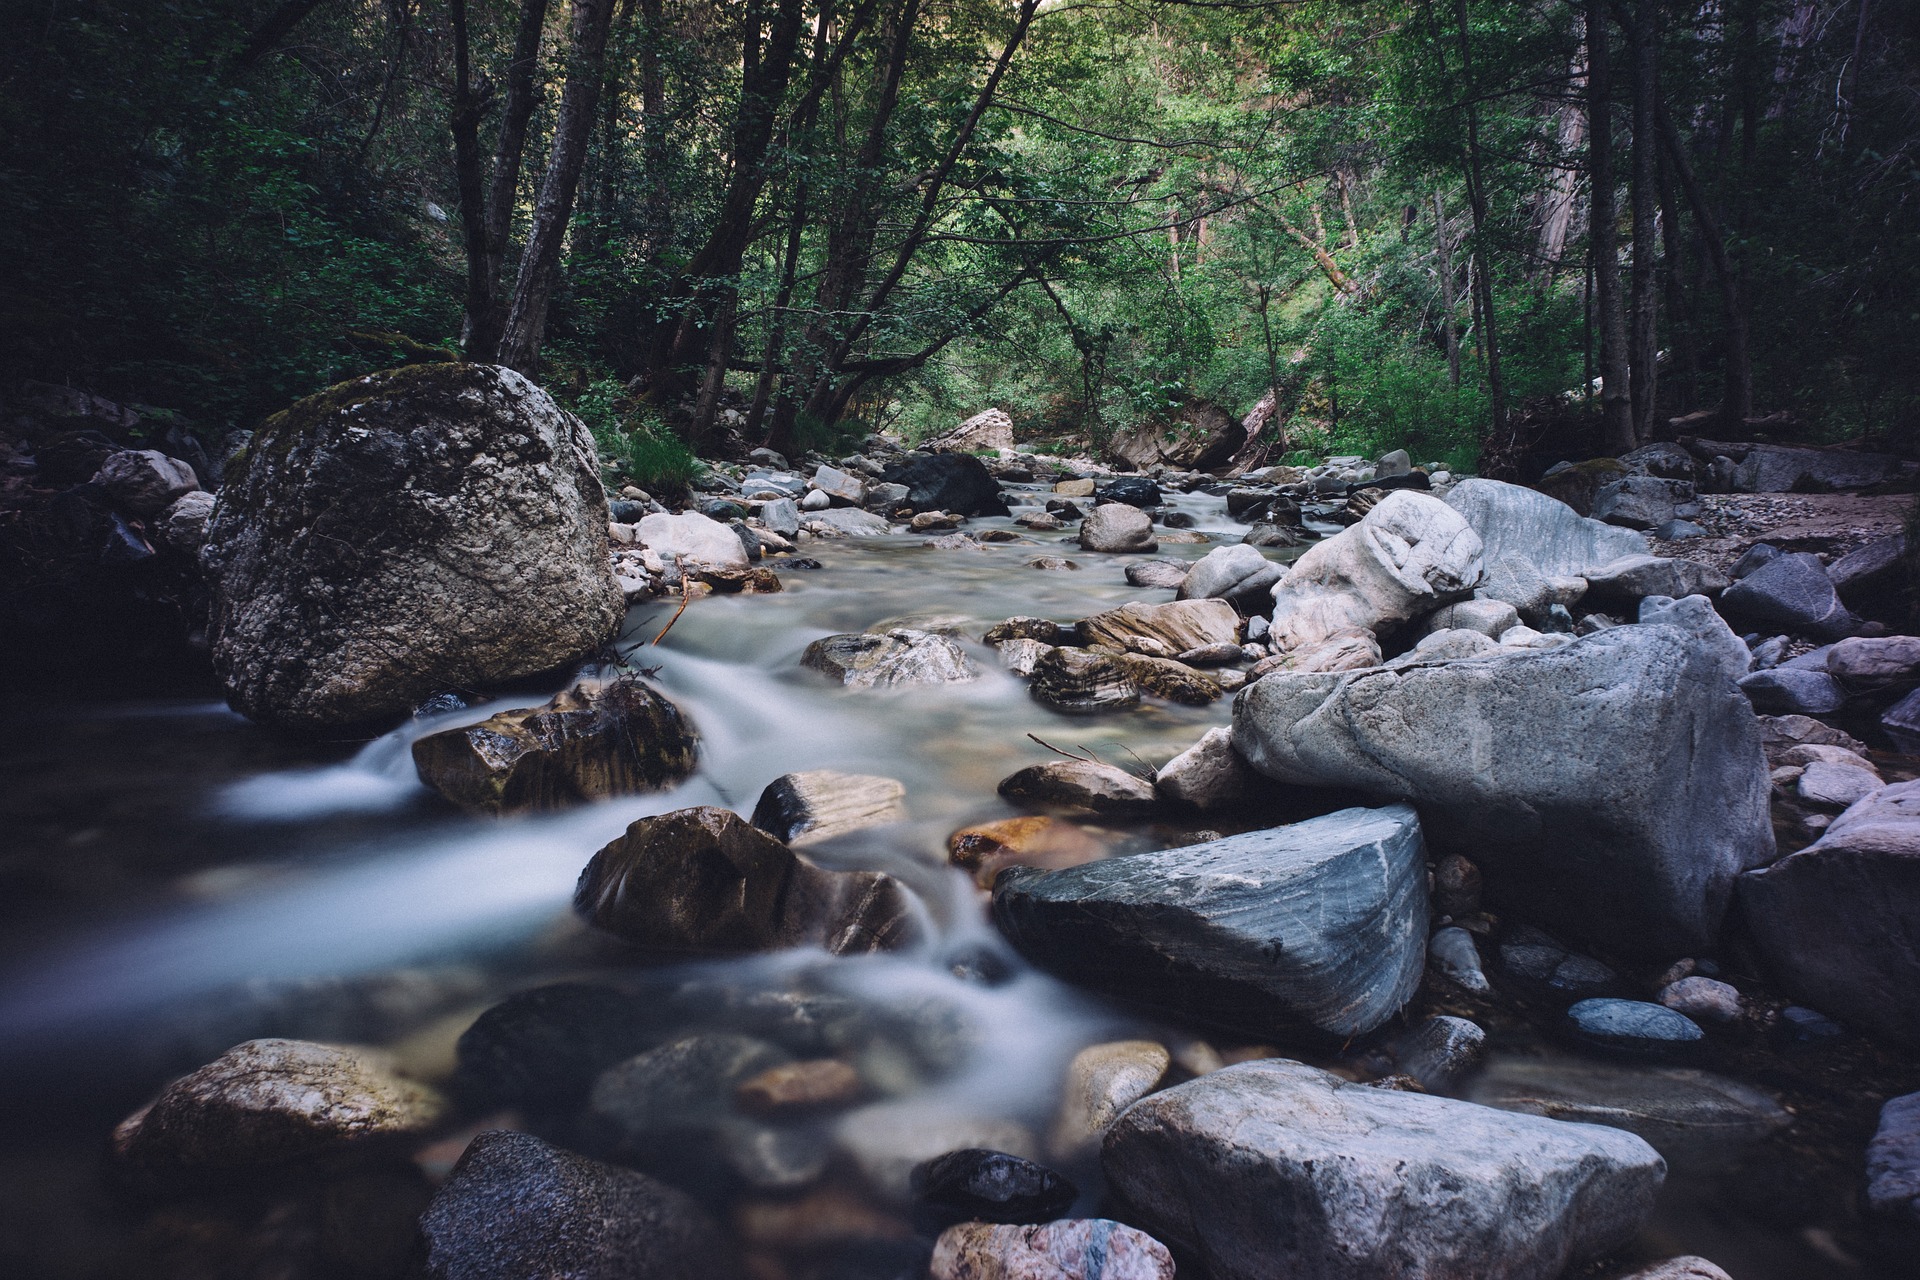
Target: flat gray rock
x,y
1315,929
1558,539
1614,785
1273,1168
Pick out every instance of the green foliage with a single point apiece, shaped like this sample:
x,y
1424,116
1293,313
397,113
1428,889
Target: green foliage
x,y
633,443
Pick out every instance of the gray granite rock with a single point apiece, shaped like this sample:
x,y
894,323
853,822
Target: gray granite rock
x,y
1316,929
1794,592
1641,502
1208,775
1615,784
1159,574
1632,578
865,660
1489,617
1558,539
1838,923
1893,1160
1787,690
1117,526
1633,1028
1441,1051
1274,1168
1769,468
1229,573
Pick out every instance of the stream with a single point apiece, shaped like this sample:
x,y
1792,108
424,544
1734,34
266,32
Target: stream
x,y
178,880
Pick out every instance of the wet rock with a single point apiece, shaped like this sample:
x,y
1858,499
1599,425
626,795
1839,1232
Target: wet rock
x,y
1080,682
1441,1051
901,656
886,1141
703,881
1022,656
1073,1249
1212,655
931,520
845,523
1411,554
1041,522
1456,955
183,525
1535,960
515,1206
1080,784
1838,923
1074,488
670,1095
800,1087
694,541
1632,1028
1115,526
1556,538
145,481
1893,1160
1586,794
1022,627
1487,616
818,805
1163,630
425,528
1169,679
1794,691
1276,1168
1791,591
268,1104
1134,491
987,1186
1230,573
1641,502
589,742
1208,775
1902,723
1033,841
1702,999
1102,1081
956,482
1456,886
1273,535
1697,1120
542,1048
1316,928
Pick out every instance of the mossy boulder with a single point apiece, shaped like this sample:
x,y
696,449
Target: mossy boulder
x,y
432,527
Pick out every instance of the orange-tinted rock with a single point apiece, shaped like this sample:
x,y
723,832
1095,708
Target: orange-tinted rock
x,y
800,1086
1048,843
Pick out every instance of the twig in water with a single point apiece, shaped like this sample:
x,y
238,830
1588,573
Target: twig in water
x,y
685,600
1145,770
1088,758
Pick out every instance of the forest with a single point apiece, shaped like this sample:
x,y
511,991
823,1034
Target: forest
x,y
1458,227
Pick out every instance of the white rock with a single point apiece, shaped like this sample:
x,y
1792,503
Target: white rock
x,y
693,539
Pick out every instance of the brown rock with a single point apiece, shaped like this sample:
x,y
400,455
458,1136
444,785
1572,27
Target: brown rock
x,y
589,742
1102,1081
1080,681
702,881
1035,841
1169,679
1174,627
800,1086
820,804
1080,784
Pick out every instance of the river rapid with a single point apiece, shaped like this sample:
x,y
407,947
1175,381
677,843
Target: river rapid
x,y
181,880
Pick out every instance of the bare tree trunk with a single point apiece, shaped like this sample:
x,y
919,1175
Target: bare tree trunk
x,y
1737,404
540,261
1644,314
1616,403
1449,301
1681,329
486,310
1560,198
1482,280
468,179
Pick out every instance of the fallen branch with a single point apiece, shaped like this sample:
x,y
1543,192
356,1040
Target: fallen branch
x,y
685,600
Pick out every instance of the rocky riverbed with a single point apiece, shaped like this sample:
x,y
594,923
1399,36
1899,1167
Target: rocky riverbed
x,y
1005,868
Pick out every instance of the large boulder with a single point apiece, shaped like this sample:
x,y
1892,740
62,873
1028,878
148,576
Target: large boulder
x,y
589,742
1614,785
515,1206
1838,923
1641,502
1769,468
956,482
1791,591
1163,630
693,540
1229,573
1274,1168
1559,540
431,527
1116,526
267,1104
986,431
1202,436
1409,555
1317,929
145,481
703,881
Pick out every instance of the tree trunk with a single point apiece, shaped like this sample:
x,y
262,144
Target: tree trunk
x,y
1737,404
1449,301
540,261
1682,332
1644,315
1616,403
1482,280
486,310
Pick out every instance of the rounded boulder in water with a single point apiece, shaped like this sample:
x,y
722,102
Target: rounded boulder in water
x,y
988,1186
1633,1028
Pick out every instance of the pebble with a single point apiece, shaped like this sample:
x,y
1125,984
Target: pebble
x,y
1633,1028
1455,955
1081,1249
1703,999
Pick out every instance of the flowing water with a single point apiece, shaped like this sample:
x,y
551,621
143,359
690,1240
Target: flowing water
x,y
180,880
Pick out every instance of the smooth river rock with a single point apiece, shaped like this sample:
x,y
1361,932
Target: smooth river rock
x,y
988,1186
1560,542
1410,554
1163,630
1273,1168
516,1207
1079,784
702,881
1071,1249
866,660
821,804
1229,573
1318,929
1791,591
590,742
1838,923
1615,785
1116,526
434,527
